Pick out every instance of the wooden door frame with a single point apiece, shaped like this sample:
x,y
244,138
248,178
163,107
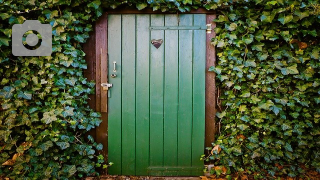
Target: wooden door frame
x,y
96,50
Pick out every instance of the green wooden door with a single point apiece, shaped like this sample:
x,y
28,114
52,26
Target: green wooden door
x,y
156,107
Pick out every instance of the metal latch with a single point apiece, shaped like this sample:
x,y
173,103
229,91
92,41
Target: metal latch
x,y
106,86
209,28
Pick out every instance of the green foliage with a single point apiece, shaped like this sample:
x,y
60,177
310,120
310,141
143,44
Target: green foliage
x,y
268,71
267,66
44,116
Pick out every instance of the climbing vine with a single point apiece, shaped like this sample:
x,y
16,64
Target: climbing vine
x,y
267,71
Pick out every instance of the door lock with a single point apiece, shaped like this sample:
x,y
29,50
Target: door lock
x,y
106,86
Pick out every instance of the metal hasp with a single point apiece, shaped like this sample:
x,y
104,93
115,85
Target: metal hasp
x,y
209,28
106,86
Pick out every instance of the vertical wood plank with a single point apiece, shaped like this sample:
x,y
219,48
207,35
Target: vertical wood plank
x,y
185,92
210,86
199,69
101,27
156,94
89,73
114,108
128,94
142,94
171,92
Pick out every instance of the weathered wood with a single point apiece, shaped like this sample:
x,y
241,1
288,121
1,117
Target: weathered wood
x,y
114,112
130,10
101,73
171,92
185,92
210,86
89,73
199,69
128,94
156,94
142,93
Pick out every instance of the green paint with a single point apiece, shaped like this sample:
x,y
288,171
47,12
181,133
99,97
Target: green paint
x,y
156,108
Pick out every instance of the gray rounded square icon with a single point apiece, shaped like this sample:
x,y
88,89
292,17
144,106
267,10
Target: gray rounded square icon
x,y
18,30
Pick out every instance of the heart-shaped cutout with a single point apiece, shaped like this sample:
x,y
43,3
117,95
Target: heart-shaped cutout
x,y
156,42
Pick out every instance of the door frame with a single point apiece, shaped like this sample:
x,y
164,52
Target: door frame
x,y
96,50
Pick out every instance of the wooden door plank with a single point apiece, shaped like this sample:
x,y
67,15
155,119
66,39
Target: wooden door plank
x,y
199,69
185,92
142,94
156,94
128,94
114,109
210,86
171,92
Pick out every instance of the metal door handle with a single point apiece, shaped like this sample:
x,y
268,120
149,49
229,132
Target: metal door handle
x,y
114,66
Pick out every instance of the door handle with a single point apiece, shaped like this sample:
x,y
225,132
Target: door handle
x,y
106,86
114,66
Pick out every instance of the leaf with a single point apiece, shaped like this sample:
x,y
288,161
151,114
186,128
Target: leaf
x,y
25,95
266,105
72,81
301,15
276,109
49,117
68,111
250,63
288,147
290,70
232,27
141,6
95,4
242,108
4,16
7,92
4,41
285,19
63,145
99,147
258,47
248,38
315,53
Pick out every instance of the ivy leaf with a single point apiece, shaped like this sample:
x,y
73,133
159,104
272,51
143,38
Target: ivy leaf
x,y
7,92
49,117
290,70
242,127
315,53
285,19
301,15
232,26
248,38
242,108
221,115
141,6
4,41
72,81
4,16
250,63
266,105
288,147
99,147
68,111
95,4
63,145
258,47
25,95
276,109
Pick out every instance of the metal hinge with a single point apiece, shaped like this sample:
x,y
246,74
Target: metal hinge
x,y
106,86
209,28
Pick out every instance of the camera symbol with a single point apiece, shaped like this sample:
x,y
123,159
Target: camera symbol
x,y
30,49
